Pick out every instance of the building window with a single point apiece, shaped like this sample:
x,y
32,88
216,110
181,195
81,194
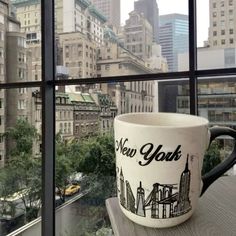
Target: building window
x,y
222,3
1,69
1,19
222,32
133,48
222,41
1,53
230,12
231,41
20,73
69,127
107,67
214,14
230,2
22,90
222,13
214,5
231,31
1,35
214,23
214,33
21,104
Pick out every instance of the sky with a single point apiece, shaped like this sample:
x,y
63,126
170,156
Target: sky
x,y
176,6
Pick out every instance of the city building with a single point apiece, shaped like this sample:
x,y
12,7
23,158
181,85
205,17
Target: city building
x,y
71,16
64,114
158,64
77,114
138,35
108,111
14,103
80,16
222,24
129,96
28,13
151,12
110,9
86,115
210,58
173,37
78,55
216,95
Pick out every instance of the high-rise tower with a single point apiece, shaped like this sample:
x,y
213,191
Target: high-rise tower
x,y
151,12
110,9
173,37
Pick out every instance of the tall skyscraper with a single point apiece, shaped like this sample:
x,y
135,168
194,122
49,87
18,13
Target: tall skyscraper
x,y
110,9
222,23
173,37
151,12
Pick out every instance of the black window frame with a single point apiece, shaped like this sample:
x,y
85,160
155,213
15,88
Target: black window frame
x,y
49,82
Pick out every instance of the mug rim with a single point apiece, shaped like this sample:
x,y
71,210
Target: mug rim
x,y
198,121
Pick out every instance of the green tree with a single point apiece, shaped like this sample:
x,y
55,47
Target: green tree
x,y
23,136
23,167
63,163
97,156
96,159
211,158
8,186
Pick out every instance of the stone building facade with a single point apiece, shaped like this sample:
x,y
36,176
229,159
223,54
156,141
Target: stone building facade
x,y
114,60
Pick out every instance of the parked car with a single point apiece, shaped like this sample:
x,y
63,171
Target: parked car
x,y
72,189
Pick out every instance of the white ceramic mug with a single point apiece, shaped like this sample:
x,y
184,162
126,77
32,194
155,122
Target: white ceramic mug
x,y
159,159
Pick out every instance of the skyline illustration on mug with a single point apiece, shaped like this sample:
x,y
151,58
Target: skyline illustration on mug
x,y
164,201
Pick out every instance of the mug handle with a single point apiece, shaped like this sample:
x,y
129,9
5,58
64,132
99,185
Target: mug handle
x,y
221,168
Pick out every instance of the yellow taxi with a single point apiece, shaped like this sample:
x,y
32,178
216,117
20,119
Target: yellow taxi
x,y
72,189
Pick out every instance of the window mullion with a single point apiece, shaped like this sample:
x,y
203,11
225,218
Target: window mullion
x,y
48,118
193,57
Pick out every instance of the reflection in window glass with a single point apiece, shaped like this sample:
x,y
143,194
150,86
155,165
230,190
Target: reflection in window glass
x,y
216,102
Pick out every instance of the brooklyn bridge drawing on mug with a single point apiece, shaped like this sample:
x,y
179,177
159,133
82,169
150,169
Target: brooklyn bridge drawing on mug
x,y
164,201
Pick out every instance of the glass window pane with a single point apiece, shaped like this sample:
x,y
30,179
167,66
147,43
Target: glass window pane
x,y
217,102
109,38
20,160
85,157
85,161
